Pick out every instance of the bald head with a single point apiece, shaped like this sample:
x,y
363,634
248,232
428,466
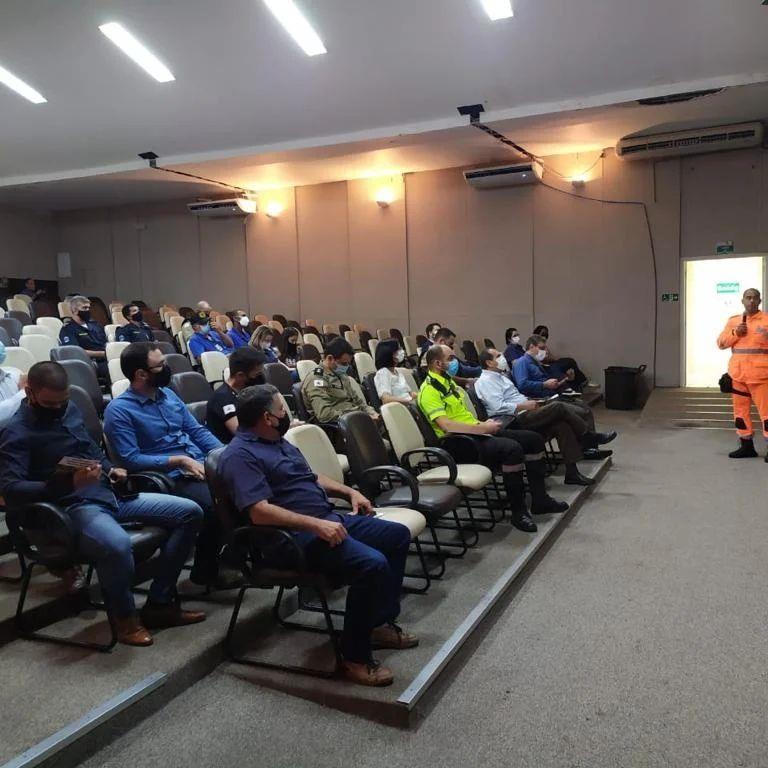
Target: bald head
x,y
751,300
438,357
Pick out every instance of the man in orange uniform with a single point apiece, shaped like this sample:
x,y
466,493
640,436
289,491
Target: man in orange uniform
x,y
747,337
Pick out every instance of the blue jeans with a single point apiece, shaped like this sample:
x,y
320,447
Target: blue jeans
x,y
108,546
371,560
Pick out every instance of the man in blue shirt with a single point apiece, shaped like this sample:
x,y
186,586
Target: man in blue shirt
x,y
48,428
136,329
205,339
240,333
270,483
446,337
150,428
79,330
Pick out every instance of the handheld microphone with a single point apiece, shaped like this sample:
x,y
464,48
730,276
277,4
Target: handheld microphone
x,y
744,318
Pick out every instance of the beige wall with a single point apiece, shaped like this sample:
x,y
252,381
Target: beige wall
x,y
478,261
27,245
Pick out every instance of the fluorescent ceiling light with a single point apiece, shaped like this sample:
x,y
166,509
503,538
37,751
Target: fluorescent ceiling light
x,y
498,9
27,91
286,12
132,48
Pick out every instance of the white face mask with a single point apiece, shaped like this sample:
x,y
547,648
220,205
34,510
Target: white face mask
x,y
541,354
244,321
399,356
515,339
266,344
501,361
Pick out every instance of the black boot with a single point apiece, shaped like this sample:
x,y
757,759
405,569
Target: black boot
x,y
574,477
541,502
746,449
513,485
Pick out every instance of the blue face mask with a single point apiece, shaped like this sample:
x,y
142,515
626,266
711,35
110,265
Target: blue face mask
x,y
341,369
3,353
453,367
205,328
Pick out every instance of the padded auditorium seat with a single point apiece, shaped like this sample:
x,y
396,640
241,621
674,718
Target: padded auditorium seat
x,y
84,375
213,364
191,387
364,364
18,357
70,352
114,348
39,345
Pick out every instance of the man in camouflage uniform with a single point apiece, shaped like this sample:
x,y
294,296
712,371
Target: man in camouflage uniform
x,y
328,392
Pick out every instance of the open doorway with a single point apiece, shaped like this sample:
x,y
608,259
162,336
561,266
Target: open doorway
x,y
712,290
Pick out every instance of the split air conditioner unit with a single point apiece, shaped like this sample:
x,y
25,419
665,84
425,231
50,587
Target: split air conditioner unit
x,y
504,176
238,206
739,136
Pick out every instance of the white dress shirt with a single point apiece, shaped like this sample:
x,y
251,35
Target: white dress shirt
x,y
10,394
499,395
394,384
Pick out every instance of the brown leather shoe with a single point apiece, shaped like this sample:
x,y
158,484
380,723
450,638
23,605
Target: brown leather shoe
x,y
130,632
171,615
392,636
372,674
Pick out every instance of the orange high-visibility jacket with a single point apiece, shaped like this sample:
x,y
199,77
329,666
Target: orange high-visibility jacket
x,y
749,361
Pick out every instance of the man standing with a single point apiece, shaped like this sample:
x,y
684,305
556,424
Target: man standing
x,y
746,335
31,289
136,329
328,392
79,330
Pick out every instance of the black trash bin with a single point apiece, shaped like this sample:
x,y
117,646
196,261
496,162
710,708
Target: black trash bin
x,y
621,387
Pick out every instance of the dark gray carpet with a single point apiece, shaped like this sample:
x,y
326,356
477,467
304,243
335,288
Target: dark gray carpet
x,y
639,640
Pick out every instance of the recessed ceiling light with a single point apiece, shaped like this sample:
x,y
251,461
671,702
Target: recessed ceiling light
x,y
27,91
286,12
135,50
498,9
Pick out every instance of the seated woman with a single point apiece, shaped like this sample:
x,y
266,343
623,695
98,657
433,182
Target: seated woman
x,y
513,348
240,332
390,383
561,367
291,350
262,339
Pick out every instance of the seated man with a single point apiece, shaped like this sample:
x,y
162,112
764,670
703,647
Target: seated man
x,y
12,392
502,399
48,428
561,366
240,332
80,330
246,369
514,348
206,339
270,483
328,391
533,381
150,428
441,401
447,337
430,330
136,329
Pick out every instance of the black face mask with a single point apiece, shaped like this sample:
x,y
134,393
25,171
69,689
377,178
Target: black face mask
x,y
162,378
283,423
136,317
84,315
49,415
256,380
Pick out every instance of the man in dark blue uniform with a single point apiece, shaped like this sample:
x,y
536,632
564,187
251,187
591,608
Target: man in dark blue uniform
x,y
79,330
270,483
136,329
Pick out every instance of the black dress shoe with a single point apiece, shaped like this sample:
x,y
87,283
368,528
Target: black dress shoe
x,y
523,522
596,455
603,438
576,478
548,506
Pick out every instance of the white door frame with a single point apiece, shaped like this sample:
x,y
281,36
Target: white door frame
x,y
712,257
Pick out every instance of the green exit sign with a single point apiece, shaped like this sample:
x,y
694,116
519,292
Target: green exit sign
x,y
670,297
728,287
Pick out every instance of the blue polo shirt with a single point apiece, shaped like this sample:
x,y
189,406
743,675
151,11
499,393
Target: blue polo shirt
x,y
134,332
240,337
145,432
207,342
89,336
254,470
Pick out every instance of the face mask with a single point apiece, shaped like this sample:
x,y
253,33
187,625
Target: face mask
x,y
283,423
136,317
341,369
541,354
265,344
501,361
245,322
399,356
453,367
49,415
205,328
161,378
256,380
84,315
515,339
3,353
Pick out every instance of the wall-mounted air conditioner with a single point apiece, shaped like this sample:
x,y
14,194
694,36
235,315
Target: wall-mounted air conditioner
x,y
238,206
503,176
739,136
